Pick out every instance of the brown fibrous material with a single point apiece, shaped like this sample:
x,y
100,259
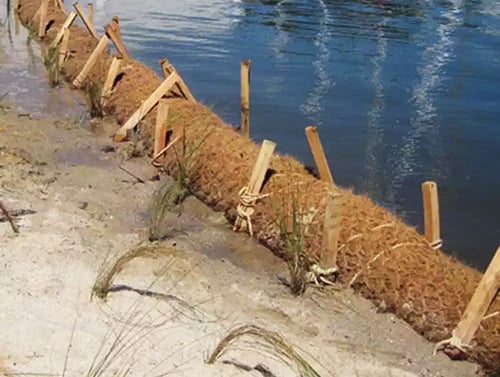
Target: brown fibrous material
x,y
391,262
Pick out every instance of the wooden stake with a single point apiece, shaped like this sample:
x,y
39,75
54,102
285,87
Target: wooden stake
x,y
331,230
64,48
43,18
59,4
161,126
256,180
245,97
113,31
431,213
114,70
480,302
90,15
181,89
101,46
86,22
67,24
16,17
164,87
36,16
319,155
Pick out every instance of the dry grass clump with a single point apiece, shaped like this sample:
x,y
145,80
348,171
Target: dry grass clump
x,y
298,262
265,340
115,356
50,58
186,158
167,197
103,283
172,191
93,91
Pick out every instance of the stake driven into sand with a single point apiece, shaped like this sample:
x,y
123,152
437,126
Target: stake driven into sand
x,y
114,70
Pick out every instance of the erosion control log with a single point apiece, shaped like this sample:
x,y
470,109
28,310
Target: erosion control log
x,y
384,259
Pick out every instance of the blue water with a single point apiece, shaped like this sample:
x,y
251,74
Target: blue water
x,y
402,91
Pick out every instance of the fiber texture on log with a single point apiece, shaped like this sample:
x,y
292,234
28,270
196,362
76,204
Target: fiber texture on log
x,y
390,262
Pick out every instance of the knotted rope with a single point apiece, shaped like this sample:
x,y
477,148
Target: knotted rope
x,y
246,207
454,341
436,244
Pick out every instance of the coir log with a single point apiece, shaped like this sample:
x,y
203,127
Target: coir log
x,y
385,259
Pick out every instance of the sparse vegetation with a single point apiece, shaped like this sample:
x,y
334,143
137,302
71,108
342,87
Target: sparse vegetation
x,y
172,192
167,198
110,268
266,341
115,354
50,58
94,90
297,261
187,159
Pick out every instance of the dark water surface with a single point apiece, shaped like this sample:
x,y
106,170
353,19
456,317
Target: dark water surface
x,y
402,91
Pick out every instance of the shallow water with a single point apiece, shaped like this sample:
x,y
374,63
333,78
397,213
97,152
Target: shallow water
x,y
402,92
23,81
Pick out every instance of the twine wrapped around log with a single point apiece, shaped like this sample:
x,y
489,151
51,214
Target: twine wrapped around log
x,y
423,286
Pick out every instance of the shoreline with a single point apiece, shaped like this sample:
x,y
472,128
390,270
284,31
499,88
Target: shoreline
x,y
440,266
88,213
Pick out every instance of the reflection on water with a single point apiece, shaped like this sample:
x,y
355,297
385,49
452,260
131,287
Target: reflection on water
x,y
22,74
424,129
323,80
374,137
403,91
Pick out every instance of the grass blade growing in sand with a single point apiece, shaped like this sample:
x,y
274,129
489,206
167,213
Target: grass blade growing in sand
x,y
297,261
268,340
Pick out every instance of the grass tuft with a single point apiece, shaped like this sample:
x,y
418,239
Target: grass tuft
x,y
167,198
173,191
102,285
50,58
298,263
94,90
187,159
270,341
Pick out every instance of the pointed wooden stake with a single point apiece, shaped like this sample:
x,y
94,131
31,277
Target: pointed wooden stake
x,y
161,127
245,97
36,16
481,300
90,14
331,229
101,46
16,16
319,155
431,214
59,4
64,48
114,70
164,87
113,31
86,22
43,18
67,24
181,89
254,185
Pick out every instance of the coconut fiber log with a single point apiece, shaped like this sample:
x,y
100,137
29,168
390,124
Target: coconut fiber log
x,y
381,257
